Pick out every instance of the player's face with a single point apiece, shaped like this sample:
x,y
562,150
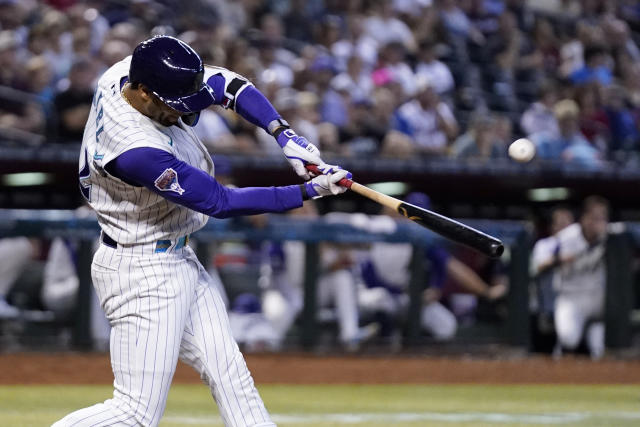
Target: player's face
x,y
162,113
594,223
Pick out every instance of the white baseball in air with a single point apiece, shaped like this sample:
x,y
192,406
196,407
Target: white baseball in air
x,y
522,150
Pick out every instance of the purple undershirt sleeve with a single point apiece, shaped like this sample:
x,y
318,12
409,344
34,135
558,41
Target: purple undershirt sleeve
x,y
181,183
256,108
217,84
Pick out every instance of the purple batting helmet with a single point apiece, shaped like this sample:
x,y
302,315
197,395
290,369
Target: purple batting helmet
x,y
173,72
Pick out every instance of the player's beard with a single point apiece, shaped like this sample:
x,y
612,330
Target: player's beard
x,y
167,119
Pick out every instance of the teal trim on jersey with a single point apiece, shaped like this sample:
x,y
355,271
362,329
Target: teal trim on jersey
x,y
97,156
162,245
171,141
182,242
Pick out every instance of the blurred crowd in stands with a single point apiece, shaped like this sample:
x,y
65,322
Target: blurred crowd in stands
x,y
397,78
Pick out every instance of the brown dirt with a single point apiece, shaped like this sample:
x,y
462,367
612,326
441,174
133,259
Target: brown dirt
x,y
92,368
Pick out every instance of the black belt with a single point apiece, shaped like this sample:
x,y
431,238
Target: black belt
x,y
109,241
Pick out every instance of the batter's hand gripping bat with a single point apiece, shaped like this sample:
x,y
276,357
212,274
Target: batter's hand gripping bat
x,y
435,222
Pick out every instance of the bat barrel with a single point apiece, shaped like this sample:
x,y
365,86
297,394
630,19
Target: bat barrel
x,y
453,230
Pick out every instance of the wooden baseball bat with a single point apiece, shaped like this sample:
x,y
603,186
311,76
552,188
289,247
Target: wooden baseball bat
x,y
447,227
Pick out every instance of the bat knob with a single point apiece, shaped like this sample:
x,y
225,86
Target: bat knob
x,y
496,249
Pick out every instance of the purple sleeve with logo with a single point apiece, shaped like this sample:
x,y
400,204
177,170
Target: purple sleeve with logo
x,y
181,183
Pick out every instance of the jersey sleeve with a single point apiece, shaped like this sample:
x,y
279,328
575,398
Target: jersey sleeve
x,y
226,85
183,184
543,253
233,91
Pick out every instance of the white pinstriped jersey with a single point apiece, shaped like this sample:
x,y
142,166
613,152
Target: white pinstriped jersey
x,y
126,213
586,273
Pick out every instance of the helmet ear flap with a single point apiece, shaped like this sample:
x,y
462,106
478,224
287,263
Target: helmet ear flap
x,y
191,119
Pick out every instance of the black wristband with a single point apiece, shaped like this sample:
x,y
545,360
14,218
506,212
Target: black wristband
x,y
277,126
303,189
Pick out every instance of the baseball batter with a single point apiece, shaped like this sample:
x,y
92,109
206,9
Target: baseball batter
x,y
150,181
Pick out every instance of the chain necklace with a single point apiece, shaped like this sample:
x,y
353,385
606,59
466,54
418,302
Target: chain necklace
x,y
125,96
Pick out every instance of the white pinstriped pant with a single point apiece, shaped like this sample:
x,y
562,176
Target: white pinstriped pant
x,y
162,306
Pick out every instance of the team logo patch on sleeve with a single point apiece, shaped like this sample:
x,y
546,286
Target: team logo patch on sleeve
x,y
168,181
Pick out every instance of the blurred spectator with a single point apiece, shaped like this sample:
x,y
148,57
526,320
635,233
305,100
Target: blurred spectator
x,y
423,21
576,253
328,33
21,115
355,80
539,117
511,42
81,42
113,51
38,79
127,32
356,43
594,122
385,27
82,15
393,69
481,141
56,42
619,38
631,85
298,23
569,144
565,9
375,120
9,64
333,104
73,104
272,34
546,45
502,82
457,23
476,54
503,133
595,69
624,130
432,70
572,49
13,16
273,71
363,134
428,121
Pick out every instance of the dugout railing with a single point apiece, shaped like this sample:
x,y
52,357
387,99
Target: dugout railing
x,y
516,236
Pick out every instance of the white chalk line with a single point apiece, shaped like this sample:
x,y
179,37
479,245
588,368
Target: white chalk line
x,y
386,417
